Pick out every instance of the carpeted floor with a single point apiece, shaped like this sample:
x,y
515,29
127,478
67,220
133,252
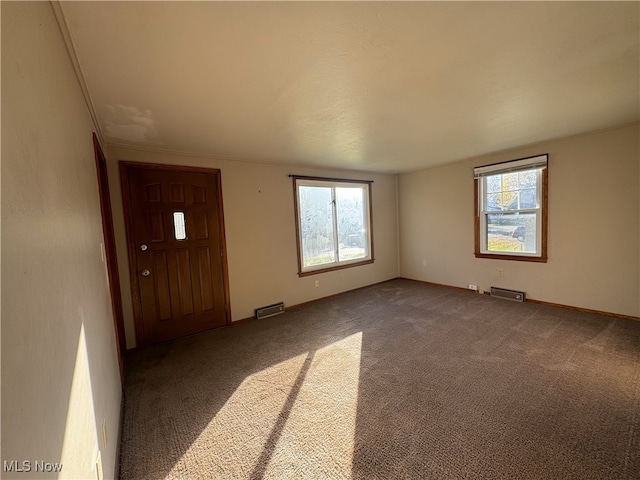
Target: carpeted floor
x,y
397,380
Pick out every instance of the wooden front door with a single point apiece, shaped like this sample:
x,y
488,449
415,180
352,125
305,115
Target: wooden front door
x,y
177,254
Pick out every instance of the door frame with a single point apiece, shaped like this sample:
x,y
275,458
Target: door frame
x,y
111,257
125,167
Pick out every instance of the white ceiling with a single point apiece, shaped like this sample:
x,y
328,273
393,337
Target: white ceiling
x,y
379,86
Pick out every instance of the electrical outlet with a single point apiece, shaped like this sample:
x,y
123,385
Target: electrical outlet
x,y
473,287
500,272
317,283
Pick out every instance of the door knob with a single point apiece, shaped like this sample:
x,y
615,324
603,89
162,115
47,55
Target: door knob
x,y
145,273
143,247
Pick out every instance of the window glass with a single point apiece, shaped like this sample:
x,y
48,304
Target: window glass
x,y
334,225
316,225
511,211
351,223
179,226
511,232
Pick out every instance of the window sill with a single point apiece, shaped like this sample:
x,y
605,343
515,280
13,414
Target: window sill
x,y
518,258
335,267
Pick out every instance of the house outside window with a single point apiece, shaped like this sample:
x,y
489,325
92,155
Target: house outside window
x,y
511,210
333,223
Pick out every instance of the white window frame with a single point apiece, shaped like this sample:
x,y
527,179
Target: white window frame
x,y
540,163
333,183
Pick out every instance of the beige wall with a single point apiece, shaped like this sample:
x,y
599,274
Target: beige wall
x,y
260,233
594,224
60,378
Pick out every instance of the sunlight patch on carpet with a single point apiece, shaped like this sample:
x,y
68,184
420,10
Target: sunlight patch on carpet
x,y
294,419
318,438
235,438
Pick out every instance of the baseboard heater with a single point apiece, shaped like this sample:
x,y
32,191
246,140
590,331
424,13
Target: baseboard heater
x,y
513,295
269,310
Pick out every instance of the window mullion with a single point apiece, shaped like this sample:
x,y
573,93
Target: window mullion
x,y
334,213
523,210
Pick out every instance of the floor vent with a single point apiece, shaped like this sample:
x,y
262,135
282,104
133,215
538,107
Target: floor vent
x,y
269,310
513,295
